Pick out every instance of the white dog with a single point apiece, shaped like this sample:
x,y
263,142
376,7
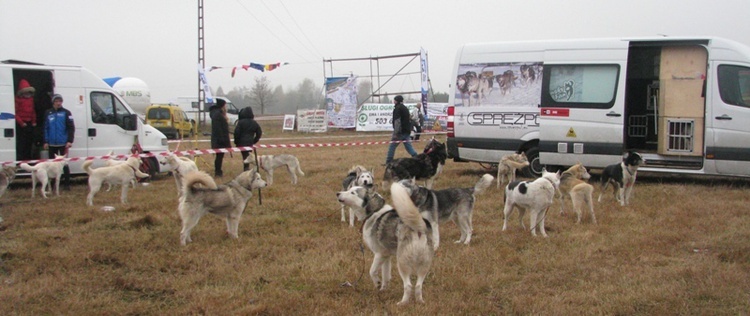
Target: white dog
x,y
536,196
113,160
357,176
270,162
181,166
120,174
506,168
43,172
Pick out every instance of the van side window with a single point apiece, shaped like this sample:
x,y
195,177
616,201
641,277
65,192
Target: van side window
x,y
580,86
734,85
107,109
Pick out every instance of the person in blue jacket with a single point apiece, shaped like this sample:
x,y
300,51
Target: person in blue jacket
x,y
59,132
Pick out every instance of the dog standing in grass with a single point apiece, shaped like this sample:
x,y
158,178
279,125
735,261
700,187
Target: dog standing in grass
x,y
399,230
357,176
227,200
43,172
121,174
622,177
270,162
181,166
535,196
508,165
7,174
581,193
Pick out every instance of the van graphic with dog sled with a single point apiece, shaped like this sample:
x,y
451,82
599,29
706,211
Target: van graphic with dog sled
x,y
680,102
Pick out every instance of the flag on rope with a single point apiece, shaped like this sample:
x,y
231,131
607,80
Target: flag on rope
x,y
260,67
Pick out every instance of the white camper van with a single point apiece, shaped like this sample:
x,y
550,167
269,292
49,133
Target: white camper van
x,y
103,121
683,103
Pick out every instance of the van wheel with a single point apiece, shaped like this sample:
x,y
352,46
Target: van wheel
x,y
534,170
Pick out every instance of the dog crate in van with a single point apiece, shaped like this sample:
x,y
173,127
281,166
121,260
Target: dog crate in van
x,y
681,103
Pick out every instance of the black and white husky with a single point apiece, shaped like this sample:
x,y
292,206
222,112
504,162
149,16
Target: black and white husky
x,y
401,231
357,176
535,196
457,204
622,177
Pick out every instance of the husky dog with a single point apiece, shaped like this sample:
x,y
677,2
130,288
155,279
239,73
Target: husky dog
x,y
227,200
456,204
270,162
120,174
426,166
181,166
43,172
358,176
572,183
508,165
7,174
535,196
401,231
622,177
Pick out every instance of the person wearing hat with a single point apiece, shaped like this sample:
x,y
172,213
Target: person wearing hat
x,y
401,129
59,133
25,120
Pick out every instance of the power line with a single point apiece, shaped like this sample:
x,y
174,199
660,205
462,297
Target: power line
x,y
271,32
287,29
300,29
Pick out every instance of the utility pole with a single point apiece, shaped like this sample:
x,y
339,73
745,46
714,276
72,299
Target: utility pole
x,y
202,63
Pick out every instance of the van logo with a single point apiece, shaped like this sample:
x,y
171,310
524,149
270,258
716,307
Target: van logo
x,y
503,119
556,112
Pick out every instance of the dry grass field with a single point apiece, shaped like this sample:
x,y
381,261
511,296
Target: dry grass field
x,y
682,247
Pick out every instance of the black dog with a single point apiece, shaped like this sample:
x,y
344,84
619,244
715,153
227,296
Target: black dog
x,y
425,166
622,177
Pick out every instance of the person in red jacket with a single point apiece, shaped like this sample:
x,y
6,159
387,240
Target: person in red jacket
x,y
25,120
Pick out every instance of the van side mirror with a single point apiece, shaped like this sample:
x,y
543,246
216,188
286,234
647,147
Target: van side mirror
x,y
130,122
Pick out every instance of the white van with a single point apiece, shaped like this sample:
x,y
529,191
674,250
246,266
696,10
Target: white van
x,y
103,121
683,103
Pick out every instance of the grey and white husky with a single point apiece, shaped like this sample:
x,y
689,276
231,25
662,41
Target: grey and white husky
x,y
401,231
456,204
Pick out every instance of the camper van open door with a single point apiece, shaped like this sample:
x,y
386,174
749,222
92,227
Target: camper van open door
x,y
581,117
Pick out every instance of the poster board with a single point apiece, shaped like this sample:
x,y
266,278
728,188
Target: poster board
x,y
288,122
311,121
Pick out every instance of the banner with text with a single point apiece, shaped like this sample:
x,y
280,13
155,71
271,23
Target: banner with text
x,y
379,117
311,121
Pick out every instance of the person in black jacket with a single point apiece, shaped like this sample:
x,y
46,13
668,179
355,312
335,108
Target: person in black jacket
x,y
246,133
219,133
401,129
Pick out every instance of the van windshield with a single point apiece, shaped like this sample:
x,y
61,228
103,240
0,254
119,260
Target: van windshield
x,y
157,114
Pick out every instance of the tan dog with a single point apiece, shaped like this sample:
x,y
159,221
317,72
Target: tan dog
x,y
506,168
120,174
270,162
181,166
7,174
113,160
581,193
43,172
227,201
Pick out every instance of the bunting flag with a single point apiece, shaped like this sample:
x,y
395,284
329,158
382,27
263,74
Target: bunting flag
x,y
260,67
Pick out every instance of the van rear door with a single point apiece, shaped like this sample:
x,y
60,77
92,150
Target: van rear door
x,y
582,113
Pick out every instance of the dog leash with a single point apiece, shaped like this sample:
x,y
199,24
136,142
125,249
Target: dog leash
x,y
255,153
